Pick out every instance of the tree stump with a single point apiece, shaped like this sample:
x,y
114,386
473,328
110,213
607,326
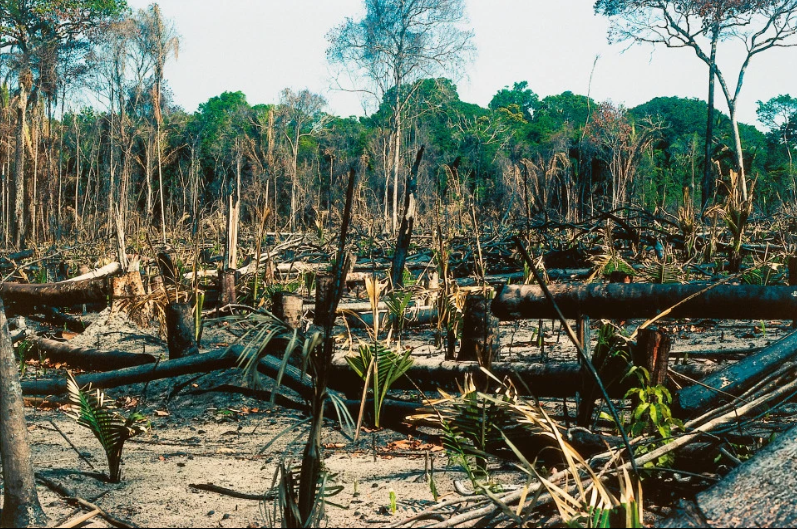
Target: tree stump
x,y
323,300
228,294
289,308
180,331
480,340
126,290
652,352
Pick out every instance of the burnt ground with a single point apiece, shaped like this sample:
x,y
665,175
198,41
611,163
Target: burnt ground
x,y
229,440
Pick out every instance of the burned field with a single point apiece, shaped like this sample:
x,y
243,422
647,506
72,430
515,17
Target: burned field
x,y
459,397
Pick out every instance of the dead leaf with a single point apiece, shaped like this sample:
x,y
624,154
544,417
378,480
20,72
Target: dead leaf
x,y
334,445
161,413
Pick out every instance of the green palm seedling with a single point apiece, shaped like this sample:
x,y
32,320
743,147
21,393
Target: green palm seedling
x,y
96,412
383,366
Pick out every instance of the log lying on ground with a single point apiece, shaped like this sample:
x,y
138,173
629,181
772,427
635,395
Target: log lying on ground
x,y
104,271
88,358
412,316
759,493
212,361
64,294
60,319
543,380
639,300
736,378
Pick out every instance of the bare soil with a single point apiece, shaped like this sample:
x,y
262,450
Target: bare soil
x,y
228,440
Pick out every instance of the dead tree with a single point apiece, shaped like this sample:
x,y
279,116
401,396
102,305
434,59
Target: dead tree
x,y
407,222
637,300
21,507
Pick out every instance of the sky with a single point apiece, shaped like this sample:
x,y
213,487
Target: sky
x,y
263,46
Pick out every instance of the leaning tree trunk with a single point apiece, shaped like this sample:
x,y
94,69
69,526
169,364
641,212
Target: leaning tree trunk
x,y
21,507
737,142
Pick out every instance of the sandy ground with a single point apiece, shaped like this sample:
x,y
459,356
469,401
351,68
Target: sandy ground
x,y
222,438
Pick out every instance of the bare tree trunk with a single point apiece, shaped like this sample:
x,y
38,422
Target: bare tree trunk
x,y
160,177
708,168
407,223
396,169
19,170
21,507
737,142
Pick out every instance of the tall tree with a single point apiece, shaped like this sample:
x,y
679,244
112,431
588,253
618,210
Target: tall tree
x,y
700,25
779,115
396,43
31,30
301,115
161,42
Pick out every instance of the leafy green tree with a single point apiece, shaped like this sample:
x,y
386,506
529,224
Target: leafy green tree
x,y
700,25
519,96
396,43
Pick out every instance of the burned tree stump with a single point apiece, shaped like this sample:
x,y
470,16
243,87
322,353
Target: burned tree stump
x,y
289,308
480,340
180,331
126,290
652,352
227,288
323,301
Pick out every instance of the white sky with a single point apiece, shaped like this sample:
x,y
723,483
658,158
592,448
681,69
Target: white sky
x,y
262,46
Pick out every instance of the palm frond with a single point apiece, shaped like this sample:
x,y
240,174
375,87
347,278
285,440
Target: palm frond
x,y
95,412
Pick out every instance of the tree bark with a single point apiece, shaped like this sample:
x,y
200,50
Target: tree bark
x,y
289,308
180,330
65,294
638,300
652,352
407,222
708,186
88,358
21,507
480,336
19,162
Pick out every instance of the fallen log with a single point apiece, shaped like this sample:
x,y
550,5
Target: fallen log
x,y
759,493
104,271
212,361
412,316
60,319
734,379
543,380
65,294
88,358
640,300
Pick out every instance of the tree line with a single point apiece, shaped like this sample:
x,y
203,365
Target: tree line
x,y
91,141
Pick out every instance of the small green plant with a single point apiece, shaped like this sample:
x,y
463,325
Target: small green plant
x,y
383,366
22,352
397,302
280,507
652,410
41,275
393,506
96,412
